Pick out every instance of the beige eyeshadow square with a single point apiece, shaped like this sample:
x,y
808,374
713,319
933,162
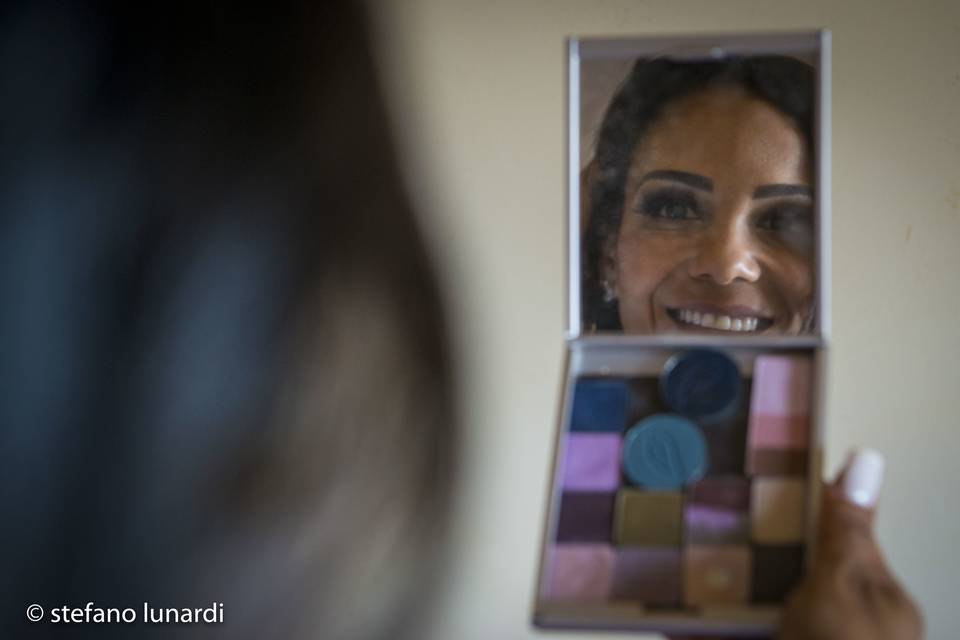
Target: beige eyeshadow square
x,y
716,574
777,510
648,518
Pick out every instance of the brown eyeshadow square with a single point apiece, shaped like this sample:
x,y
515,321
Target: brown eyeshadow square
x,y
717,574
650,575
776,571
727,439
777,514
644,399
777,462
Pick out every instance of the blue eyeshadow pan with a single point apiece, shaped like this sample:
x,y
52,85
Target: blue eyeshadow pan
x,y
701,384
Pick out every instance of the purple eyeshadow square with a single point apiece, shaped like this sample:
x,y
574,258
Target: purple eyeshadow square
x,y
586,517
579,572
716,525
592,462
648,575
729,492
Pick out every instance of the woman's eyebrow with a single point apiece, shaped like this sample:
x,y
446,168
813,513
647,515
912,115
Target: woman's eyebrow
x,y
690,179
777,190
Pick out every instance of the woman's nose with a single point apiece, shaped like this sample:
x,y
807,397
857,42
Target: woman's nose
x,y
725,256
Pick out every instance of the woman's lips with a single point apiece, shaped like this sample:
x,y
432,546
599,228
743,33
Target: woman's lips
x,y
726,318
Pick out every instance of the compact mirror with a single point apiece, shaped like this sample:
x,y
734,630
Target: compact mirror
x,y
697,186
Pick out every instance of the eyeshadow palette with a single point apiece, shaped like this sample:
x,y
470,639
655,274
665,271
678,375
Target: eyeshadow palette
x,y
681,496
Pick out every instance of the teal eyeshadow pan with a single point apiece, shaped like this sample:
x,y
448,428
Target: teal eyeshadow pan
x,y
664,451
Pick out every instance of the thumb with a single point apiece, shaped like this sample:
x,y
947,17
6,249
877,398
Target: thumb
x,y
861,478
849,505
850,593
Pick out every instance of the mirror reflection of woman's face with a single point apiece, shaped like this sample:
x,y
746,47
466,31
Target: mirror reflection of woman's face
x,y
717,226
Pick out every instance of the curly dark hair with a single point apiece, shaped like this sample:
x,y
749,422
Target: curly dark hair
x,y
784,82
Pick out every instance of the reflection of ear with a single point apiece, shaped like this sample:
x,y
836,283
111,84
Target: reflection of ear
x,y
608,270
809,325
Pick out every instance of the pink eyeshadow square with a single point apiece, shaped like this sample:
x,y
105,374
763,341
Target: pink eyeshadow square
x,y
781,385
780,402
779,432
580,572
592,462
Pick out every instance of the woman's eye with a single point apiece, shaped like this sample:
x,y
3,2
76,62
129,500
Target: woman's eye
x,y
792,225
674,211
786,220
670,207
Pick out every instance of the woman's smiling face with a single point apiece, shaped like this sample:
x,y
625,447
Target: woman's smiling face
x,y
717,227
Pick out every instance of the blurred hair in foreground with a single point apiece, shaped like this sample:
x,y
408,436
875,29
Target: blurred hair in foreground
x,y
225,372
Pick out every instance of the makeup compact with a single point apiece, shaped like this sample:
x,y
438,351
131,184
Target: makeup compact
x,y
686,463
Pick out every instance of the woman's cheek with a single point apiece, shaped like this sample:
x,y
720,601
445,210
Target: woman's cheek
x,y
793,279
643,264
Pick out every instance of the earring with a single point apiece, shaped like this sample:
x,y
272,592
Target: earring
x,y
609,294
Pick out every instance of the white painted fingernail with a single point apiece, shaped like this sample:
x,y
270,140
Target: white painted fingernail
x,y
864,477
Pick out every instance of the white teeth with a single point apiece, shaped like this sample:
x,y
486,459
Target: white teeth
x,y
722,323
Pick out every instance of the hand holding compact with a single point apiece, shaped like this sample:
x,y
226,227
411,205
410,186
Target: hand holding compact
x,y
850,593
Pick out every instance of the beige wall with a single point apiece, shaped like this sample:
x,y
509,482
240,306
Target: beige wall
x,y
477,96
